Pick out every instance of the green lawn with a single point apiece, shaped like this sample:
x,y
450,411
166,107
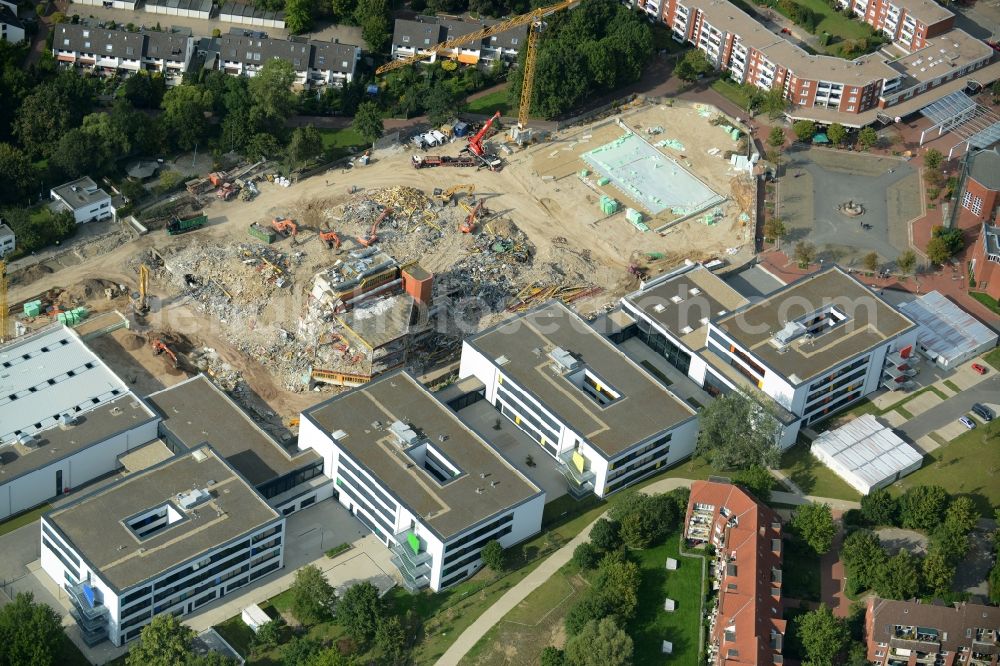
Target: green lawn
x,y
813,477
23,519
986,300
652,624
968,465
952,386
800,571
731,91
490,103
993,358
550,595
341,142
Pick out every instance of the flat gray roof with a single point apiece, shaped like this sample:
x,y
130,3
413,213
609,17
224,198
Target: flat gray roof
x,y
364,415
946,329
685,300
196,411
866,451
870,322
95,525
944,53
984,168
645,407
86,191
56,443
49,373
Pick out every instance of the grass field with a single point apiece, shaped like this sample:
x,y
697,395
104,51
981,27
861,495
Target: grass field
x,y
731,91
968,465
341,142
23,519
993,358
490,103
986,300
813,477
800,571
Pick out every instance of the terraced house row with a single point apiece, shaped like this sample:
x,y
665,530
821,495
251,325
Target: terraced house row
x,y
240,52
929,58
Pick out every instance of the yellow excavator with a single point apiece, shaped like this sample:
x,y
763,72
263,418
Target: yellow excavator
x,y
446,197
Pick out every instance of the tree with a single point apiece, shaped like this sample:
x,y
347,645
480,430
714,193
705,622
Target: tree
x,y
773,103
328,657
775,229
867,137
994,583
144,91
906,262
312,595
373,17
693,66
776,139
736,432
391,639
268,635
879,507
863,557
923,507
944,244
962,514
950,543
50,110
553,656
162,642
493,555
937,574
899,578
586,555
30,633
870,261
18,176
643,519
804,129
306,144
600,643
368,122
758,480
836,133
301,651
814,523
823,636
360,610
604,534
933,158
593,606
440,104
298,16
80,153
271,90
805,253
184,109
617,580
262,145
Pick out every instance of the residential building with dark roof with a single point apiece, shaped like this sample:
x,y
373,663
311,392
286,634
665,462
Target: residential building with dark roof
x,y
413,36
604,420
912,632
123,52
11,27
746,625
7,240
315,63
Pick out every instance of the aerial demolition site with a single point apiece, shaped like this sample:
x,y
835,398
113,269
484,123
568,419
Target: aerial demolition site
x,y
279,289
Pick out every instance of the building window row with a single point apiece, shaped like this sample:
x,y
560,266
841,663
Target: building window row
x,y
359,478
821,383
618,463
508,388
452,548
359,497
62,558
826,391
526,414
285,483
62,547
370,492
472,553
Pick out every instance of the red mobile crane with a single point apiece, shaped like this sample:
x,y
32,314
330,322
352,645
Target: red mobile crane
x,y
476,144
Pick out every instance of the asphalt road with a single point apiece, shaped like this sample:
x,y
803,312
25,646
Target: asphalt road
x,y
986,392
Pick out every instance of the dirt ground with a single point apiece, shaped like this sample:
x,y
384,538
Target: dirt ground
x,y
567,243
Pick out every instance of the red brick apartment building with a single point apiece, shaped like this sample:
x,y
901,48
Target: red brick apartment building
x,y
986,260
827,88
908,23
746,626
910,633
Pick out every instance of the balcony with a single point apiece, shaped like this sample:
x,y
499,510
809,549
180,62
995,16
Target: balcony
x,y
414,567
90,615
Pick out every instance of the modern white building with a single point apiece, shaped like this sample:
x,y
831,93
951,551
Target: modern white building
x,y
8,241
813,347
168,539
128,5
422,481
947,334
83,198
866,454
65,418
599,415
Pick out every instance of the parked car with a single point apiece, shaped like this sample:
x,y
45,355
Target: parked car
x,y
981,369
983,412
967,422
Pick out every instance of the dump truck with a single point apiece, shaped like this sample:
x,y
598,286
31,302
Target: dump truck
x,y
181,225
262,233
442,160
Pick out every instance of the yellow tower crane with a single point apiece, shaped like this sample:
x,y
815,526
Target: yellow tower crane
x,y
3,301
141,299
535,23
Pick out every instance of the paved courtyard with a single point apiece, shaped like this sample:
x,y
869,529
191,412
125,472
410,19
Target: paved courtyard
x,y
817,180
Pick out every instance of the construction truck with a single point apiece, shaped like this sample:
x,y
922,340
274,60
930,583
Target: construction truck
x,y
182,225
262,233
140,298
226,192
423,162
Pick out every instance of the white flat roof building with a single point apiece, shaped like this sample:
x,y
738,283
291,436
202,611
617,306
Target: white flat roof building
x,y
866,454
7,240
65,418
947,334
84,199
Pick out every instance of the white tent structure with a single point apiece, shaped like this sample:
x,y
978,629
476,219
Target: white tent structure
x,y
866,454
948,335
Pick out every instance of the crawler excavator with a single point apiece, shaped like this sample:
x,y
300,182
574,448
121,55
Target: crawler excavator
x,y
371,237
285,226
331,238
160,348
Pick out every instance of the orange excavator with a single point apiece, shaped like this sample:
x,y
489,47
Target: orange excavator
x,y
371,237
160,348
469,225
331,238
286,227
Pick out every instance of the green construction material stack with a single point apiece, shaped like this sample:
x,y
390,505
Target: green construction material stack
x,y
32,308
80,313
635,217
603,181
608,205
735,134
584,173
